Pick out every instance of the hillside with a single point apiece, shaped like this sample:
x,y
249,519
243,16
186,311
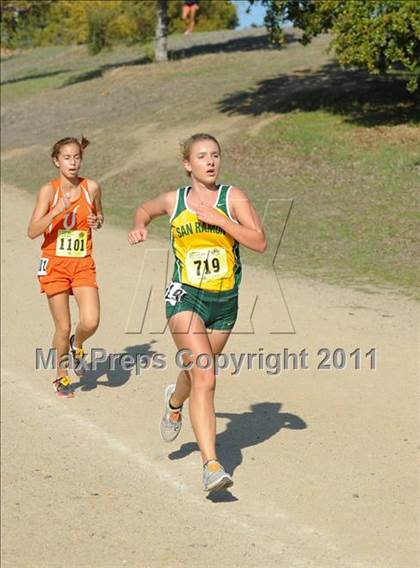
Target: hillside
x,y
337,151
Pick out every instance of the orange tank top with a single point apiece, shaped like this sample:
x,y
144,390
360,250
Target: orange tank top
x,y
69,234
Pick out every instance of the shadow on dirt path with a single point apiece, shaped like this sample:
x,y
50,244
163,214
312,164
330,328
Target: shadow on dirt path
x,y
260,423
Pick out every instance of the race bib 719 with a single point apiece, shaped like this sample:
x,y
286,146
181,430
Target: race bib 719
x,y
206,264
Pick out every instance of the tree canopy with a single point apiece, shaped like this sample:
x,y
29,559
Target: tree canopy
x,y
381,36
100,23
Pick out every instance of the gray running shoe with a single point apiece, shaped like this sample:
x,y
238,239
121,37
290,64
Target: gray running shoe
x,y
215,477
170,425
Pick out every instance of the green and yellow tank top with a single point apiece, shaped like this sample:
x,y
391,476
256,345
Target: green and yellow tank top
x,y
206,257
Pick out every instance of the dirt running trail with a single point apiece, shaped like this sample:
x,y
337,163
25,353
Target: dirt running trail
x,y
323,460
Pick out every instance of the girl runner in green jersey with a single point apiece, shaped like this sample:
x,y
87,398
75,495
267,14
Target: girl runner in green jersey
x,y
208,222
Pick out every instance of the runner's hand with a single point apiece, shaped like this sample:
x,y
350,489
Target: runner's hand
x,y
209,215
94,221
62,204
137,235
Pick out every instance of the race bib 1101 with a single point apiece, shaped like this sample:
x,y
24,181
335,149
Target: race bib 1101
x,y
71,243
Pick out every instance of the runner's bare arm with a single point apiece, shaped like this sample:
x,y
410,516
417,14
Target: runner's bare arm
x,y
248,230
95,221
163,204
41,218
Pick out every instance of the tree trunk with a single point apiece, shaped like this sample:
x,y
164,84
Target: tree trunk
x,y
161,37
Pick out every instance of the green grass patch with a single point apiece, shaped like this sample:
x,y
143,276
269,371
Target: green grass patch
x,y
355,198
340,152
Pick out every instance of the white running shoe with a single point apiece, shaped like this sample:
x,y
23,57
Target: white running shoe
x,y
171,422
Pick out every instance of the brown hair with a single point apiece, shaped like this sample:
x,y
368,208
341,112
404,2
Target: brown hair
x,y
82,143
187,144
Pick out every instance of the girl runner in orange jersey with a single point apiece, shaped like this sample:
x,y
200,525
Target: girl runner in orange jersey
x,y
67,209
